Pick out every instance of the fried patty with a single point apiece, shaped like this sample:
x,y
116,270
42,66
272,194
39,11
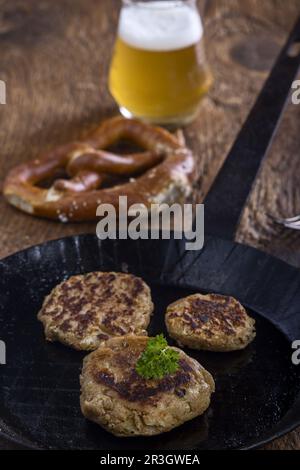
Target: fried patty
x,y
211,322
88,309
114,396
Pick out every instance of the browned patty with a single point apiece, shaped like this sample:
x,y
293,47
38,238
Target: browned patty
x,y
87,309
116,397
211,322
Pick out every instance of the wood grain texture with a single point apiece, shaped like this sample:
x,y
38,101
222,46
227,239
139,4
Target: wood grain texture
x,y
55,58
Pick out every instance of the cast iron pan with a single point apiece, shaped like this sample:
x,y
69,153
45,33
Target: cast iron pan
x,y
257,390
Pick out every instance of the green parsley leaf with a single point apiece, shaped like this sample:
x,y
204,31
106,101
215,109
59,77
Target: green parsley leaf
x,y
157,360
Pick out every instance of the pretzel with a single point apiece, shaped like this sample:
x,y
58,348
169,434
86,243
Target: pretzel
x,y
164,172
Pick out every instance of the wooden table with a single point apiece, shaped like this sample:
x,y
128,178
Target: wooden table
x,y
55,58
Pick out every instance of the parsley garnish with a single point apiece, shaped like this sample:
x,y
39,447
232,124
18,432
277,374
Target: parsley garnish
x,y
157,360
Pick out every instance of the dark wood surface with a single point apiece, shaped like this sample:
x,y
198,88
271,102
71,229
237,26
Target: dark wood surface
x,y
55,58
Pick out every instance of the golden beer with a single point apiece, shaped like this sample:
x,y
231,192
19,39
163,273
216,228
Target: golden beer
x,y
158,71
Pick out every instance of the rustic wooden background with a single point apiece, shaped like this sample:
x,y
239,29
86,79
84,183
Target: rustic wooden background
x,y
54,59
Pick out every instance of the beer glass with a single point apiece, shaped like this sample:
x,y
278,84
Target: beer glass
x,y
159,72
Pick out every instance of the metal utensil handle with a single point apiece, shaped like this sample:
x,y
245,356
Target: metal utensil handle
x,y
226,199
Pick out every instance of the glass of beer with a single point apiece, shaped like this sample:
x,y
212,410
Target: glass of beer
x,y
159,72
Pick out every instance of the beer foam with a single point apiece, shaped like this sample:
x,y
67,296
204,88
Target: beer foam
x,y
160,25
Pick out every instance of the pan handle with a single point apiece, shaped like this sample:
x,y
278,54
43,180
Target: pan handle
x,y
228,195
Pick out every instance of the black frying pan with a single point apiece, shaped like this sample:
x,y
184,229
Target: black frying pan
x,y
257,390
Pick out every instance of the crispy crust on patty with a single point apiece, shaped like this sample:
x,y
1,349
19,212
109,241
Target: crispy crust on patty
x,y
211,322
86,310
114,396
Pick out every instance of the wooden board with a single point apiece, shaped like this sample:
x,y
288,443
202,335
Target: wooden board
x,y
55,59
